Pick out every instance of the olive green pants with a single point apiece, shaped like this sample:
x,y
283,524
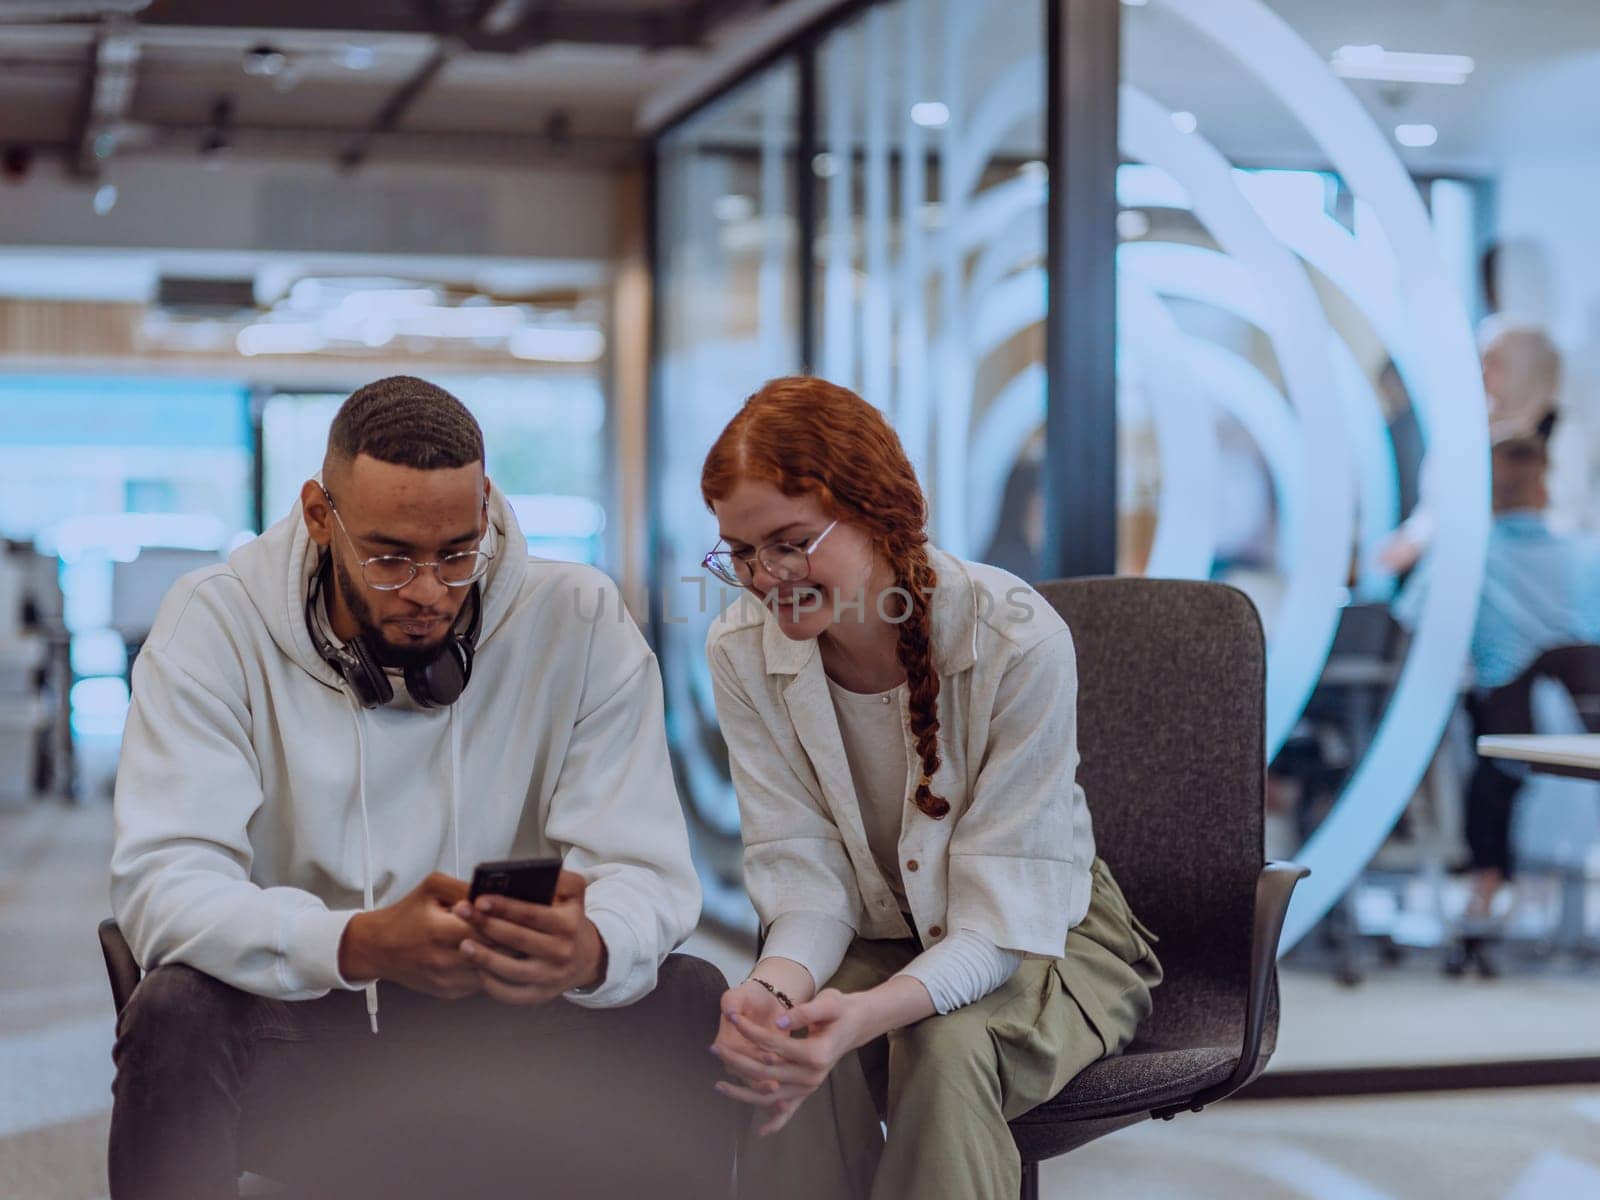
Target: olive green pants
x,y
947,1085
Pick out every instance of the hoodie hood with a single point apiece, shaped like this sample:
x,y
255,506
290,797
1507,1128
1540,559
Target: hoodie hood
x,y
277,568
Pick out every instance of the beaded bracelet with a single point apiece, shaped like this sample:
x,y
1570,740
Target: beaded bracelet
x,y
782,999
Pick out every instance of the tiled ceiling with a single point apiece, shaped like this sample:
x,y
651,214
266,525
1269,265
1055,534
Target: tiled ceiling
x,y
463,79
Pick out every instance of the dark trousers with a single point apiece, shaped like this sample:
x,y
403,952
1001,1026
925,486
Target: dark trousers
x,y
1491,798
1492,794
451,1099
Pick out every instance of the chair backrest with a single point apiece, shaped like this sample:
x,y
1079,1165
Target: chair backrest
x,y
1171,730
1364,631
1576,668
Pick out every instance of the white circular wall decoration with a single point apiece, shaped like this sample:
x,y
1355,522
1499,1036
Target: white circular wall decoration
x,y
1322,435
1425,325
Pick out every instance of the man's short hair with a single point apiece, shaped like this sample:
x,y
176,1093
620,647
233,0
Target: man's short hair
x,y
405,421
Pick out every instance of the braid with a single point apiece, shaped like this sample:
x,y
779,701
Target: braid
x,y
915,575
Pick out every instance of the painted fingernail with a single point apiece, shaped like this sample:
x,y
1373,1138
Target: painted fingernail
x,y
783,1022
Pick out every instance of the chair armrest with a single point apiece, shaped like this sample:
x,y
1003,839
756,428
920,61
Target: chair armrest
x,y
1274,886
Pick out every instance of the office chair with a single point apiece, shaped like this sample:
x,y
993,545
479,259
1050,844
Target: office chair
x,y
122,969
1171,725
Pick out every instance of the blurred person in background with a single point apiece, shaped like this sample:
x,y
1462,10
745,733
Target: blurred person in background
x,y
1521,380
1541,591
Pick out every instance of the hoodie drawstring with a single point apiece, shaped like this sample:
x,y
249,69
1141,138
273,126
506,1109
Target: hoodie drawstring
x,y
366,827
366,841
455,789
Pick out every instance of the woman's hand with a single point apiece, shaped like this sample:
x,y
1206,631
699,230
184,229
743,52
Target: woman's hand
x,y
753,1003
777,1070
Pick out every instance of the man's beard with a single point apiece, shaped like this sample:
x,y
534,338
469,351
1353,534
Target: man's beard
x,y
386,652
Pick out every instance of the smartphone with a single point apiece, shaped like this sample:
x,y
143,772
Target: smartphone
x,y
529,879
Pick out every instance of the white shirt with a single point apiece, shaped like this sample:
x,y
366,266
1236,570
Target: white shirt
x,y
1010,861
964,967
875,748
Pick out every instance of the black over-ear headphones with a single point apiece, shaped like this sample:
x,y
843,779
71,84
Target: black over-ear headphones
x,y
438,684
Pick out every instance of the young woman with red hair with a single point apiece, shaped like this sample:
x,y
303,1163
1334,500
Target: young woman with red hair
x,y
902,735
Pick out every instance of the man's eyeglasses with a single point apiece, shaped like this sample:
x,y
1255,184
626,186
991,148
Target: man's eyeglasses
x,y
391,572
786,562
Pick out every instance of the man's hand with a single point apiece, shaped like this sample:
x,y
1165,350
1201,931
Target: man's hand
x,y
414,942
560,947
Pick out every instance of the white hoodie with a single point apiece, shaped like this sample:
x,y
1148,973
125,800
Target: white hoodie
x,y
259,807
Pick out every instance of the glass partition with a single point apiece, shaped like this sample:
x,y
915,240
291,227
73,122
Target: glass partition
x,y
929,254
925,178
728,299
1302,416
1312,228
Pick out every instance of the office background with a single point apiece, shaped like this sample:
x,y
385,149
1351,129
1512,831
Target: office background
x,y
1209,314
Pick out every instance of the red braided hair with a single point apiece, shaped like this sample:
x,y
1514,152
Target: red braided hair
x,y
809,437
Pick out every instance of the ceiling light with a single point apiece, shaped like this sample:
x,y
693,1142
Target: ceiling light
x,y
265,61
733,207
459,321
1417,136
387,301
930,114
357,58
1185,122
280,337
1132,224
1398,66
376,332
105,199
554,343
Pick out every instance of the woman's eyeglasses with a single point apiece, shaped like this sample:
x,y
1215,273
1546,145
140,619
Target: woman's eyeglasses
x,y
786,562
